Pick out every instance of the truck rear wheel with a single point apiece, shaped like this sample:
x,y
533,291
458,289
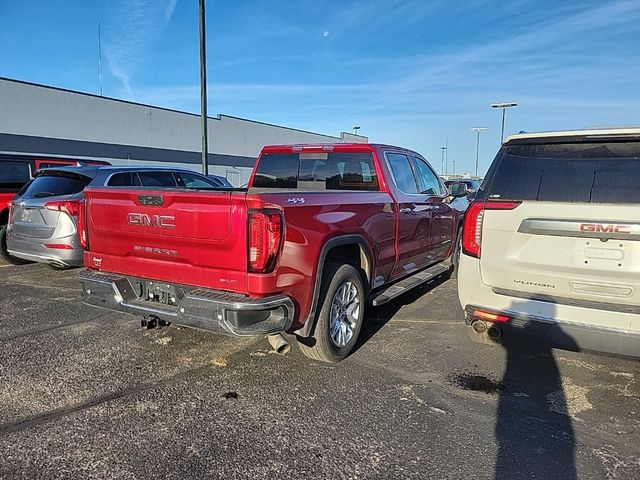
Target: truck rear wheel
x,y
340,319
3,250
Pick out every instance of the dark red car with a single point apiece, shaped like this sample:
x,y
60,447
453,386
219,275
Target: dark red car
x,y
321,231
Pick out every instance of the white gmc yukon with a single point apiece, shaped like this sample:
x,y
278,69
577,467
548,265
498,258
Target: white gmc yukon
x,y
551,245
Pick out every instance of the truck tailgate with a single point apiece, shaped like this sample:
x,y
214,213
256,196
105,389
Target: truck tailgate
x,y
188,237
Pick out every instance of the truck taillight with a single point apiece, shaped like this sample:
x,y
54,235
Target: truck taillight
x,y
70,207
82,225
266,229
473,219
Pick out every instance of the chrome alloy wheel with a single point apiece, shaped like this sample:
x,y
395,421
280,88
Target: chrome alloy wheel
x,y
345,312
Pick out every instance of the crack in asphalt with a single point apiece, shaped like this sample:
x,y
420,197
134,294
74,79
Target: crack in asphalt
x,y
31,285
36,420
37,331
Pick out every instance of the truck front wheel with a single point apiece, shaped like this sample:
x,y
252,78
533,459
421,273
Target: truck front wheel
x,y
340,319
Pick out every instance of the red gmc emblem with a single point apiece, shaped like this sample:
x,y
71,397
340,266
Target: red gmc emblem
x,y
158,221
602,228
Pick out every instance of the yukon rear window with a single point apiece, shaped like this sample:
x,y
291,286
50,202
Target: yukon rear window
x,y
13,174
54,185
317,171
567,172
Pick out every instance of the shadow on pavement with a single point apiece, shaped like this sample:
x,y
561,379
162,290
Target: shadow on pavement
x,y
534,431
378,317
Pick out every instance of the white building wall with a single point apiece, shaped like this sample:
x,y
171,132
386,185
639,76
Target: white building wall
x,y
27,109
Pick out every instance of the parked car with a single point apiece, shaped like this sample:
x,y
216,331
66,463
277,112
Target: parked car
x,y
321,231
44,214
15,172
551,244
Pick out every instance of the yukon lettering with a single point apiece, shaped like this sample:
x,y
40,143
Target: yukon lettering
x,y
602,228
158,221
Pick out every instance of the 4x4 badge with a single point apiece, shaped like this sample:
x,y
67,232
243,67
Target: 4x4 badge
x,y
296,200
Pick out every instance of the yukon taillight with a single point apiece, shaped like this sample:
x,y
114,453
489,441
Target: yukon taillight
x,y
266,229
473,219
82,225
70,207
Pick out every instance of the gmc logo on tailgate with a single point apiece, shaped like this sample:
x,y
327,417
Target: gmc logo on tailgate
x,y
602,228
158,221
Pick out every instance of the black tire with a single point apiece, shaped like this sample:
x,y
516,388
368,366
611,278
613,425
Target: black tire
x,y
321,347
455,255
5,254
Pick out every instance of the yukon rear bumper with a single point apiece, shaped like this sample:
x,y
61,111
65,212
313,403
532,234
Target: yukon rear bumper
x,y
212,310
564,335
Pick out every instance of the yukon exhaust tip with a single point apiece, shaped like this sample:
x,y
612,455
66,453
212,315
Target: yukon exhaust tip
x,y
279,343
494,333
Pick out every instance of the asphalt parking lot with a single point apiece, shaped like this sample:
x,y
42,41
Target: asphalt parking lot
x,y
85,393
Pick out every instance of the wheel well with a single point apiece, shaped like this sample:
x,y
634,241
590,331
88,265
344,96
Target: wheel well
x,y
351,254
349,249
4,217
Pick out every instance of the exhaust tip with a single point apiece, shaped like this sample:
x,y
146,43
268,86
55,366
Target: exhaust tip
x,y
279,343
494,333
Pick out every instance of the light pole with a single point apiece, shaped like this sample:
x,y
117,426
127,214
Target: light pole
x,y
445,165
355,129
504,107
203,91
442,171
478,130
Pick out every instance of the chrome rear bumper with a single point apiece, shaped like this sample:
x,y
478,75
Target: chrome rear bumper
x,y
212,310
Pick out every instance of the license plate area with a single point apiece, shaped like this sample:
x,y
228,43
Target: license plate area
x,y
160,293
614,255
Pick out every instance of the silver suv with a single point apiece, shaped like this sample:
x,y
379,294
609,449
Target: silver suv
x,y
44,214
551,244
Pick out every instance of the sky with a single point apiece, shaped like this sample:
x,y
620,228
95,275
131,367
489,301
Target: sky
x,y
414,73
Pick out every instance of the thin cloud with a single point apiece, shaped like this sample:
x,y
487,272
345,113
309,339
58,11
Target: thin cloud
x,y
132,27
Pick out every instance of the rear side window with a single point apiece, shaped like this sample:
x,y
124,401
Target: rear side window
x,y
192,181
571,172
13,174
54,185
124,179
317,171
157,179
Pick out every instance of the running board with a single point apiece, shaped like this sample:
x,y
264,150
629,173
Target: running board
x,y
404,285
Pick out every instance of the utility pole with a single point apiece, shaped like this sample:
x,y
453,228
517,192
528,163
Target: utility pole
x,y
478,130
504,107
446,153
203,90
99,58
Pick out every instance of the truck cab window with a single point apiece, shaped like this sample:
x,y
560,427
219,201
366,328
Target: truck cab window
x,y
402,173
429,183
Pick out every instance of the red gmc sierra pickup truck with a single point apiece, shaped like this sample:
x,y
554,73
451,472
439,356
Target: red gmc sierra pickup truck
x,y
321,231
